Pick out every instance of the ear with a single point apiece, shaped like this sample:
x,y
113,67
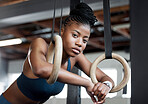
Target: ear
x,y
62,31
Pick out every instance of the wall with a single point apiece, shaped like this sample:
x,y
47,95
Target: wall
x,y
3,73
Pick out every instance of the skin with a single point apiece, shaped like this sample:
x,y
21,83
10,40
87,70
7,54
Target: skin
x,y
75,36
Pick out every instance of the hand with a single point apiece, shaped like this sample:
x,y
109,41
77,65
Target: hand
x,y
89,90
100,91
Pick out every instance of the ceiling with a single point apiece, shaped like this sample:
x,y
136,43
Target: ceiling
x,y
29,19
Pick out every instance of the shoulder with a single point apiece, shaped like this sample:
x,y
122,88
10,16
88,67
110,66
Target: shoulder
x,y
39,44
75,60
81,57
38,41
83,63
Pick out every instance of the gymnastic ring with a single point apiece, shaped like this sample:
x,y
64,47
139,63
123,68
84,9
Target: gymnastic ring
x,y
57,47
122,61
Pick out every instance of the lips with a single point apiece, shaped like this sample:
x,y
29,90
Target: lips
x,y
76,50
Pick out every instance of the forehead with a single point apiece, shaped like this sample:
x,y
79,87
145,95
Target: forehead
x,y
82,28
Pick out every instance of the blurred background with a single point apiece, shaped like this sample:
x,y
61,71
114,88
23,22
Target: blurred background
x,y
21,21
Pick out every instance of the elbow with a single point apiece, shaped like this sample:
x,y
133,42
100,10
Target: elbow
x,y
37,72
41,72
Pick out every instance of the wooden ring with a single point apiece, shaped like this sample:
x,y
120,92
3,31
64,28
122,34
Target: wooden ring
x,y
122,61
57,57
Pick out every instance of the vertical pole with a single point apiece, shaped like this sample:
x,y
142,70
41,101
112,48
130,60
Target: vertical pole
x,y
74,92
139,51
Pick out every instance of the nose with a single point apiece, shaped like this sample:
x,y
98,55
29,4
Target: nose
x,y
79,42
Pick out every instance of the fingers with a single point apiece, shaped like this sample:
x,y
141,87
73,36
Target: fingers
x,y
93,99
96,86
101,102
100,91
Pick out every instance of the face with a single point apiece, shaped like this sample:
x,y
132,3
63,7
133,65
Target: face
x,y
75,37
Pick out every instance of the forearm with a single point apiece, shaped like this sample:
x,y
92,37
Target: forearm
x,y
71,78
102,77
107,78
63,76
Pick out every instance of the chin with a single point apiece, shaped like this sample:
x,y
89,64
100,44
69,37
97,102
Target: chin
x,y
73,54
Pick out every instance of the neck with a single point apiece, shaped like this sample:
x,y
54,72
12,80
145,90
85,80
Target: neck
x,y
65,57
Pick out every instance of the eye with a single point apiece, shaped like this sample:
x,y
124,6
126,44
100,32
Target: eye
x,y
85,41
75,35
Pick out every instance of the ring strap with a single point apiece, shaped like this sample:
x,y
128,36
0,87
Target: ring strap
x,y
107,30
61,19
53,23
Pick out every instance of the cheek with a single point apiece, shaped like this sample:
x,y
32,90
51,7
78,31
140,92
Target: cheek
x,y
69,39
68,42
84,46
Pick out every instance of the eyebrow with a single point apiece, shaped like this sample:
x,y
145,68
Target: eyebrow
x,y
77,32
80,33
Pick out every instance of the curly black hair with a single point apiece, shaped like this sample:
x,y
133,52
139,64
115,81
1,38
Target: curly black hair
x,y
81,14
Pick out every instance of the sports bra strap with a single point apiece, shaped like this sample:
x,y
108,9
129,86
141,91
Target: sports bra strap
x,y
69,65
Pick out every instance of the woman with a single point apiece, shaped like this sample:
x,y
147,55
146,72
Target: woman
x,y
31,86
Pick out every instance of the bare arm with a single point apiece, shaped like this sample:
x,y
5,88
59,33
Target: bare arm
x,y
85,65
100,89
41,68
